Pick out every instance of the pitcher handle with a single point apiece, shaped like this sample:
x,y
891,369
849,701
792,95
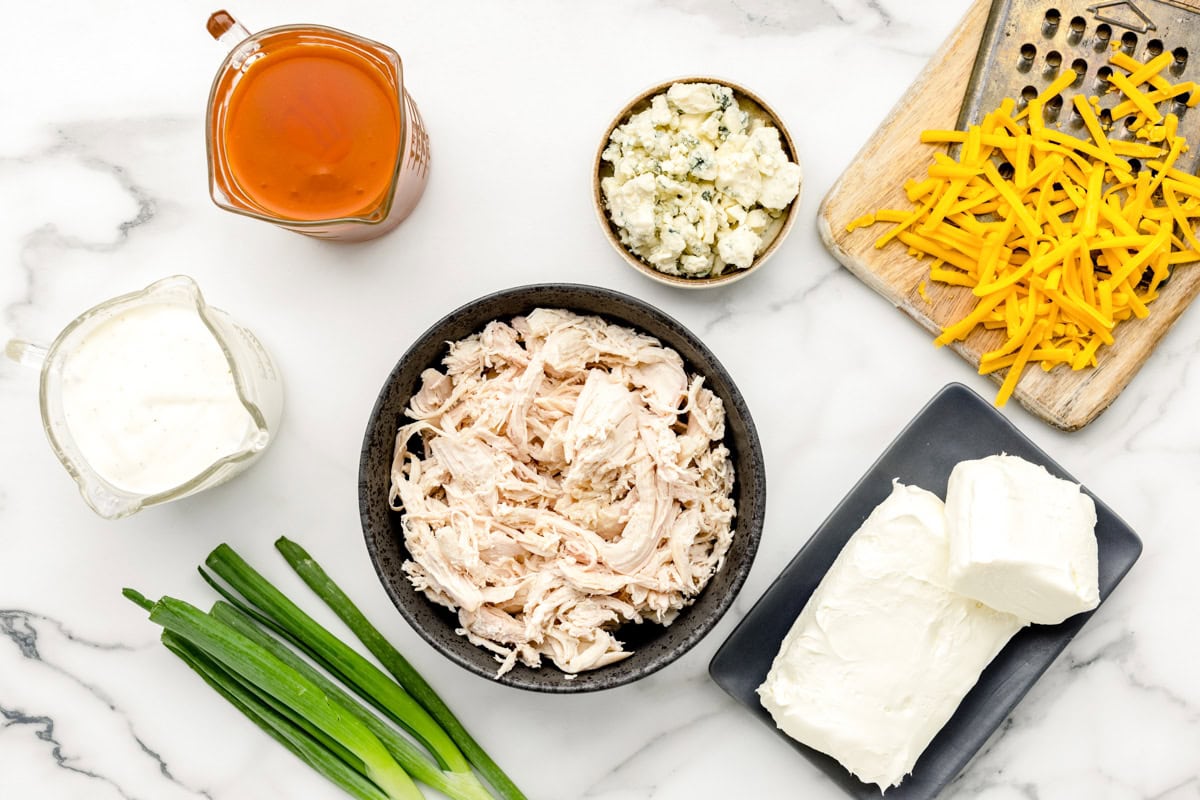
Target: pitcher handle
x,y
225,29
26,354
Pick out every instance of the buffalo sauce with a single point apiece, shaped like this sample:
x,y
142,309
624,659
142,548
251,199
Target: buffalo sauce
x,y
312,131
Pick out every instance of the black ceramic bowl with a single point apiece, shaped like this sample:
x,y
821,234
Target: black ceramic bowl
x,y
653,646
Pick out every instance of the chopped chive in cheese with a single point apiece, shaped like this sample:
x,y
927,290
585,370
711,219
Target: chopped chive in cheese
x,y
1071,240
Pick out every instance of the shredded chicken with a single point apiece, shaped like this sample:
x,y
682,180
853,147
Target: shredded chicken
x,y
562,477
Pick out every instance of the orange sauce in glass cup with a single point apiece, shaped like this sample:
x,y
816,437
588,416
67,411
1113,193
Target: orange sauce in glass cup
x,y
310,128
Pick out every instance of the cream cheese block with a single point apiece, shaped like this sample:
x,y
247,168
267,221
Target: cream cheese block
x,y
884,651
1021,540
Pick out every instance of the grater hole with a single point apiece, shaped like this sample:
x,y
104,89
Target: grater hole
x,y
1129,120
1051,22
1006,170
1120,129
1076,30
1054,59
1106,119
1053,108
1154,47
1028,51
1080,67
1128,42
1102,75
1179,106
1181,58
1028,93
1103,34
1135,166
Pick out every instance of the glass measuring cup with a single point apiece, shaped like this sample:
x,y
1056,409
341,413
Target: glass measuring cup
x,y
252,413
266,107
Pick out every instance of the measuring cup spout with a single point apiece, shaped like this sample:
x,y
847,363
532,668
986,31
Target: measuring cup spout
x,y
25,353
104,502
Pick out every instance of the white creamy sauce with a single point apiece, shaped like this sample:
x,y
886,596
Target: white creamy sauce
x,y
1022,540
884,652
150,401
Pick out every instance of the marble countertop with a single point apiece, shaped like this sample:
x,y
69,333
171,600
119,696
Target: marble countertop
x,y
103,190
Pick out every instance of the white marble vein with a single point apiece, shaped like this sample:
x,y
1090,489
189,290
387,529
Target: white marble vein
x,y
103,190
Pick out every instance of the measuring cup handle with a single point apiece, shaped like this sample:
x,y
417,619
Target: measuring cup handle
x,y
25,353
225,29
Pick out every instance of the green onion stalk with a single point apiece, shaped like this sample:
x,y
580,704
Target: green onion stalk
x,y
271,607
395,663
294,739
231,648
460,786
284,698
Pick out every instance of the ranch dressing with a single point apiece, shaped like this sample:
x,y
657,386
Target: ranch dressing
x,y
150,400
153,396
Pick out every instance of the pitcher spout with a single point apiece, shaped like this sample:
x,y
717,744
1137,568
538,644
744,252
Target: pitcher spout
x,y
106,502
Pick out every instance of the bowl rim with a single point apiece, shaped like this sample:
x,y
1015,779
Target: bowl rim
x,y
753,517
610,230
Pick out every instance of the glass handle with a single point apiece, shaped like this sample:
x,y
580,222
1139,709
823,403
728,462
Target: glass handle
x,y
225,29
25,353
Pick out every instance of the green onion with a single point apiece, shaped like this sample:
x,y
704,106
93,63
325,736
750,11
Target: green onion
x,y
255,665
353,669
457,785
301,707
274,725
324,587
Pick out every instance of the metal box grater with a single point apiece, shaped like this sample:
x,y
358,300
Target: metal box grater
x,y
1027,43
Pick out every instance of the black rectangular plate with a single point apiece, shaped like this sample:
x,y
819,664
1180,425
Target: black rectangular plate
x,y
956,425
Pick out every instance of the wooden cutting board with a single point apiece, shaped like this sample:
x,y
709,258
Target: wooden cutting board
x,y
1065,399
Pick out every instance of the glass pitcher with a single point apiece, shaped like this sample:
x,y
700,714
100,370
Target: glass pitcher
x,y
310,128
256,408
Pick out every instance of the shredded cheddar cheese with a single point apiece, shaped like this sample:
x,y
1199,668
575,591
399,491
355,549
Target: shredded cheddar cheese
x,y
1058,238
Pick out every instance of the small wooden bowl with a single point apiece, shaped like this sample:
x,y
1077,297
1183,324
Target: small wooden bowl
x,y
602,169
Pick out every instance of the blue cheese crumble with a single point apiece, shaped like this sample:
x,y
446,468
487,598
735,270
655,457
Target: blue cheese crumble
x,y
699,185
